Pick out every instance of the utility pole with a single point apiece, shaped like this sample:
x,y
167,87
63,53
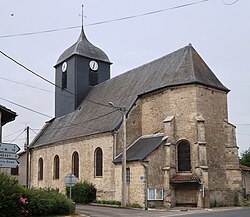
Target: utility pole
x,y
124,159
27,156
124,155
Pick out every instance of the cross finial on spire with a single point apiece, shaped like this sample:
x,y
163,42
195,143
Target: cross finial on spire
x,y
82,15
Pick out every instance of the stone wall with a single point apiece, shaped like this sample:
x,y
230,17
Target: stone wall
x,y
155,164
222,151
198,114
86,149
134,125
22,169
136,187
212,105
246,182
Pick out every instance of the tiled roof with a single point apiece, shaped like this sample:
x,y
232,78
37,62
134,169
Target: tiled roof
x,y
185,178
182,67
141,148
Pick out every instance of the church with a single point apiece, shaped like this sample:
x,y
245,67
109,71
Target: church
x,y
171,114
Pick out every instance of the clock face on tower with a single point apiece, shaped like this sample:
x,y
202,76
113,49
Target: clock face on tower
x,y
64,67
93,65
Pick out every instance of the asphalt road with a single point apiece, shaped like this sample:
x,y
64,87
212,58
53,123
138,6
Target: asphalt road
x,y
97,211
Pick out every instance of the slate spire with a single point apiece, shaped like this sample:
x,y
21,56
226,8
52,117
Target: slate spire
x,y
84,48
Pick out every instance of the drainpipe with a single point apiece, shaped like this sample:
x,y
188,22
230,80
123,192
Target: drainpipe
x,y
203,193
146,184
114,143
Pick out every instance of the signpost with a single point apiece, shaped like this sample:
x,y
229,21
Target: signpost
x,y
8,156
70,180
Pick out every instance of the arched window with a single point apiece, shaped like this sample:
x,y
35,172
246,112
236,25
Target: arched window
x,y
56,167
184,160
40,169
98,162
75,164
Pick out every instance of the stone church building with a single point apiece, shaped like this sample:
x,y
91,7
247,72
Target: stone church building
x,y
181,149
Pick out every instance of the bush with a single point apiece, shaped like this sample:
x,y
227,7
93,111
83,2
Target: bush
x,y
82,192
47,202
10,195
36,201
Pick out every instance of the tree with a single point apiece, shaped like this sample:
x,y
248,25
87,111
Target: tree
x,y
245,158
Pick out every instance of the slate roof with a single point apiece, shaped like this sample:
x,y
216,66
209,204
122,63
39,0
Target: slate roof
x,y
7,115
83,48
141,148
181,67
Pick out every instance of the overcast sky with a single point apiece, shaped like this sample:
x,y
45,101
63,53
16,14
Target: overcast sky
x,y
220,33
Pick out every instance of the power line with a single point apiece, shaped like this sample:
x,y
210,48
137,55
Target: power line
x,y
232,3
25,107
27,85
36,74
13,133
148,13
39,32
80,123
107,21
26,68
33,131
243,134
20,139
18,136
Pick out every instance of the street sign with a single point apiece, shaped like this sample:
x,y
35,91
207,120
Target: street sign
x,y
10,148
8,163
8,155
70,180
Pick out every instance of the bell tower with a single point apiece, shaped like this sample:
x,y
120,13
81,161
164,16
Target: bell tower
x,y
78,69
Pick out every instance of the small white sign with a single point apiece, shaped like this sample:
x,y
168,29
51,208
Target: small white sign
x,y
10,148
8,155
8,163
70,180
